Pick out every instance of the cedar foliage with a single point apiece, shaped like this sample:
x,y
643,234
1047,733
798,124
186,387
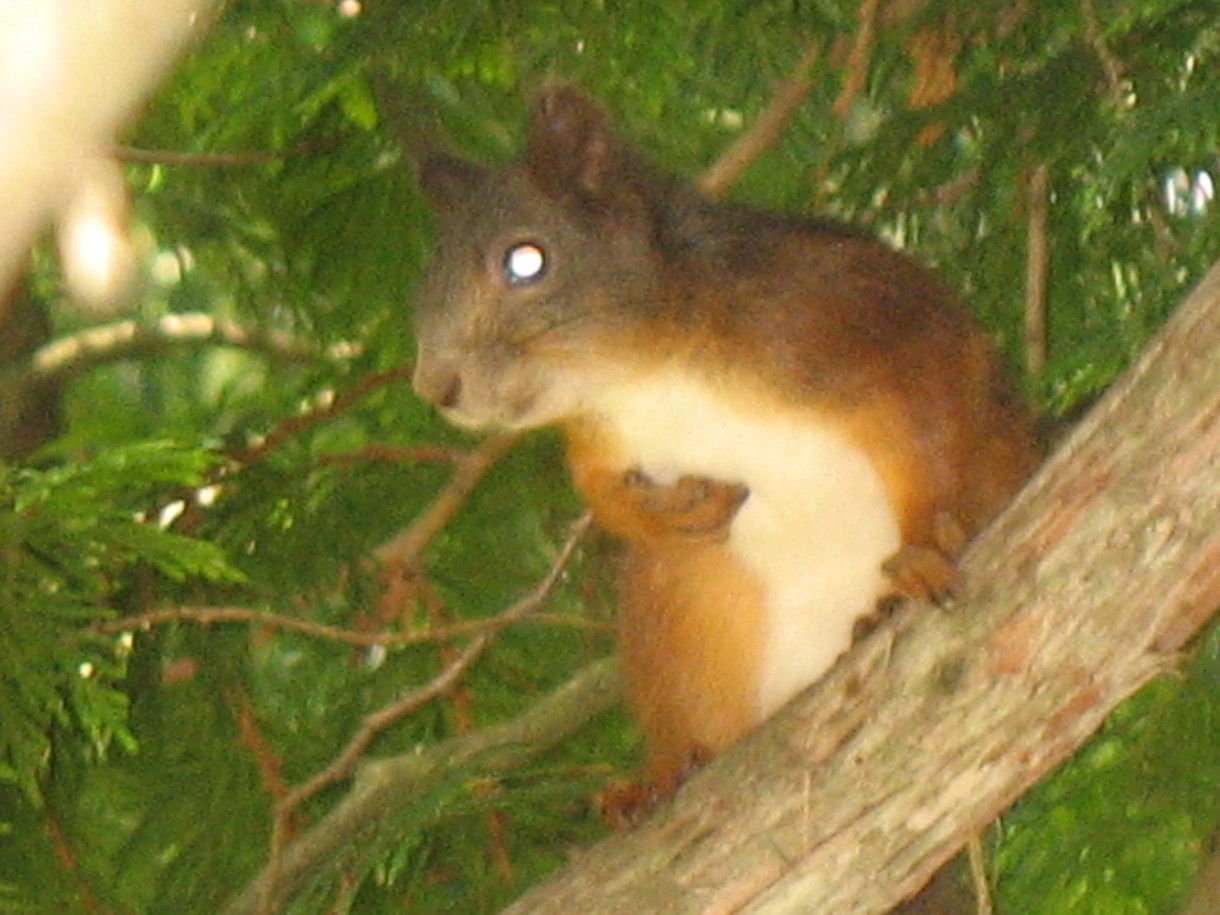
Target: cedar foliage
x,y
141,762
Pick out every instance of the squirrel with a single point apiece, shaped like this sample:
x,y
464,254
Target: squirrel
x,y
785,421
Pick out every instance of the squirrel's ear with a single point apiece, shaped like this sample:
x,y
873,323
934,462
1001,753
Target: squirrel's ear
x,y
446,180
572,148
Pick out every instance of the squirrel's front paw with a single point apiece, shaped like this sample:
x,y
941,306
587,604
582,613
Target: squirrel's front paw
x,y
928,572
694,506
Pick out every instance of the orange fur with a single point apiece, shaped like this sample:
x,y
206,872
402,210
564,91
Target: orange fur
x,y
773,414
691,617
691,627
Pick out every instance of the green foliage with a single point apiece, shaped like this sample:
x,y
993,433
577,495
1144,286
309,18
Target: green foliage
x,y
70,537
139,769
1130,813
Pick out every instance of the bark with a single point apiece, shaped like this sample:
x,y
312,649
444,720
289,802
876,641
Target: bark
x,y
1082,592
1205,895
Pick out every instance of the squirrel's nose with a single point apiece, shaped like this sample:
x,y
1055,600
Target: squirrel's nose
x,y
451,393
441,388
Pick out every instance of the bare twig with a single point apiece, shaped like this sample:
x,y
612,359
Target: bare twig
x,y
61,843
396,454
79,352
384,788
208,616
951,191
858,60
1097,41
404,548
219,160
1037,266
341,402
375,722
270,766
764,132
978,877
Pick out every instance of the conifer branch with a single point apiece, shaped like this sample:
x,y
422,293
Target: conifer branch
x,y
387,791
280,867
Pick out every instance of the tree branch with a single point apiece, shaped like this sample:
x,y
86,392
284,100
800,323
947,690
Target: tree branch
x,y
1110,64
387,790
292,425
1205,894
764,132
404,548
220,160
79,352
284,871
858,59
378,721
210,616
1082,592
1037,268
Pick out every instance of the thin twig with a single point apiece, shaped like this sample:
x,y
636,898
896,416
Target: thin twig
x,y
978,877
61,844
764,132
1037,266
404,548
269,764
208,616
951,191
858,59
292,425
219,160
385,787
375,722
1097,41
395,454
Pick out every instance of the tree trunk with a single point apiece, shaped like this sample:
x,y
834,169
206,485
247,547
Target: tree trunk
x,y
1083,591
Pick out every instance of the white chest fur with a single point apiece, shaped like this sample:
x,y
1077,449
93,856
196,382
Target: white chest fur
x,y
816,527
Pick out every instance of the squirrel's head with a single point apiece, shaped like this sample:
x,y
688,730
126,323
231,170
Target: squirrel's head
x,y
539,266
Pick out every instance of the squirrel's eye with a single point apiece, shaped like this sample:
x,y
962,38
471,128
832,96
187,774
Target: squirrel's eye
x,y
524,263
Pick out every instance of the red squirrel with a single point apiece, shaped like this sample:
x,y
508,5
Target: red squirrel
x,y
784,420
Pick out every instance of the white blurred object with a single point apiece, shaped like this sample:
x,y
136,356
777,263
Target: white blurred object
x,y
71,73
95,250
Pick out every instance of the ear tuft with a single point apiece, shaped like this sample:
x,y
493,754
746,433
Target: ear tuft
x,y
573,151
446,180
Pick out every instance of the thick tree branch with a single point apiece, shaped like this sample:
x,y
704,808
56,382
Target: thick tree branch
x,y
1083,591
1205,894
